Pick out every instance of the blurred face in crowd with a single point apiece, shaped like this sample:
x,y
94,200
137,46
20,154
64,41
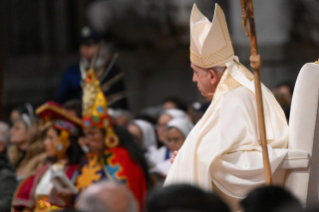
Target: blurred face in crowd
x,y
94,139
206,79
54,145
19,133
14,115
161,127
169,105
136,132
51,139
2,146
283,95
121,120
175,139
87,51
72,113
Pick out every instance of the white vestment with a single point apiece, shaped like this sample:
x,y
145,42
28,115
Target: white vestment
x,y
223,148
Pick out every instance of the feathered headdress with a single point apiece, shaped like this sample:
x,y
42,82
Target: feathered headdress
x,y
95,104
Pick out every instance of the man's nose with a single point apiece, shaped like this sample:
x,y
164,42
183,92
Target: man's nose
x,y
194,78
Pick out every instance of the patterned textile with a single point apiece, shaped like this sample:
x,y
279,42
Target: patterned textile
x,y
25,193
115,164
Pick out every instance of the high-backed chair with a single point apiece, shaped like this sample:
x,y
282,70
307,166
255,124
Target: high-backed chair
x,y
302,160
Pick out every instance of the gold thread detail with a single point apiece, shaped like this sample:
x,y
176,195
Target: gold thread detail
x,y
228,83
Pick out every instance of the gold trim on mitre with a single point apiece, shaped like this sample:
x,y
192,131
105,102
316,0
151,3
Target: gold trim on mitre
x,y
317,62
210,41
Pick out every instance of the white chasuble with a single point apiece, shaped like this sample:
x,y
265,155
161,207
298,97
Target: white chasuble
x,y
223,149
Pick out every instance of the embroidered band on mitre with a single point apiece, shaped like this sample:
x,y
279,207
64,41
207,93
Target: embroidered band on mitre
x,y
210,41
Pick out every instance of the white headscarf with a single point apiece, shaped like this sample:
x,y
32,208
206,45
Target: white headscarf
x,y
182,124
175,113
148,133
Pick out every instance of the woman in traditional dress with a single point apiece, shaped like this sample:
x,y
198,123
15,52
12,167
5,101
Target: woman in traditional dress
x,y
37,193
113,152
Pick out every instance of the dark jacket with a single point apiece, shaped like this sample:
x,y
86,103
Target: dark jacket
x,y
70,86
8,184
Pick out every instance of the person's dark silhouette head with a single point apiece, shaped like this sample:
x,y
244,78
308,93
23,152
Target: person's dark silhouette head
x,y
175,102
184,198
270,199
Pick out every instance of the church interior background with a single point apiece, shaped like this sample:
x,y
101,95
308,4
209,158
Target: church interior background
x,y
39,39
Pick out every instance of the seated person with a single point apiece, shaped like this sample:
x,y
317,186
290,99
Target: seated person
x,y
113,153
223,151
37,193
27,151
144,133
165,117
177,131
8,180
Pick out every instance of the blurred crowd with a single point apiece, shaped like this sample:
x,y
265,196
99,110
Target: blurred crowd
x,y
148,139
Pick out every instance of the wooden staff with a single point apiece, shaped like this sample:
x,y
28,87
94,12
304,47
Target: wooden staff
x,y
255,64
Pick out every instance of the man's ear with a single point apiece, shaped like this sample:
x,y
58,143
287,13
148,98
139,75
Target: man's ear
x,y
213,76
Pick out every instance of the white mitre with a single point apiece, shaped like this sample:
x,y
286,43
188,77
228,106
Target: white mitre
x,y
210,41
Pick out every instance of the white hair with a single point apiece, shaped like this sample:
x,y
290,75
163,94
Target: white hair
x,y
219,69
91,201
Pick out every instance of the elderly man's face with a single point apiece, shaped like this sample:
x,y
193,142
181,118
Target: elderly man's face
x,y
206,79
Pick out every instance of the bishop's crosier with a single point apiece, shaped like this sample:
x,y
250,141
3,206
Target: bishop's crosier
x,y
223,152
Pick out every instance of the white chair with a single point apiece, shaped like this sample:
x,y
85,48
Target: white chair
x,y
302,161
